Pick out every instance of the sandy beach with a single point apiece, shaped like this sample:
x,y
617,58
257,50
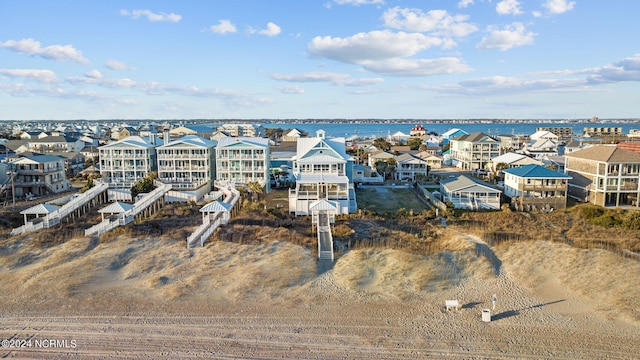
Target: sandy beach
x,y
151,298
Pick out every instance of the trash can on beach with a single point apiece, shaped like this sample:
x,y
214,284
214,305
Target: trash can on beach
x,y
486,315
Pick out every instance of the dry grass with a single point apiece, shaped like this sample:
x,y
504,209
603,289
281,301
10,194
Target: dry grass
x,y
560,226
600,276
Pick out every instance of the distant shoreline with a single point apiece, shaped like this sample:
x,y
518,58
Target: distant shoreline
x,y
352,121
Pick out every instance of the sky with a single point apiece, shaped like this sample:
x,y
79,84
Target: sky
x,y
327,59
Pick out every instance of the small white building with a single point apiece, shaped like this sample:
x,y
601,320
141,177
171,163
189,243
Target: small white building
x,y
467,193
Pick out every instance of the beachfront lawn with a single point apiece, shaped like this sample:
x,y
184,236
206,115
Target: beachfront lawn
x,y
382,200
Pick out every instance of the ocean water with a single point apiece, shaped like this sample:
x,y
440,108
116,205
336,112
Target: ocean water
x,y
382,130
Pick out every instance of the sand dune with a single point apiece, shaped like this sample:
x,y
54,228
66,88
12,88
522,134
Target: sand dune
x,y
271,300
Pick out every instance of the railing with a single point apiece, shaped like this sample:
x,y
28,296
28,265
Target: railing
x,y
202,233
128,216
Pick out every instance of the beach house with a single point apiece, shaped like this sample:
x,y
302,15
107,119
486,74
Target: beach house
x,y
468,193
604,175
126,161
323,171
188,164
473,151
240,160
534,187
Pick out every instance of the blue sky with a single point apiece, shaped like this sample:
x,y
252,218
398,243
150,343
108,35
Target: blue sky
x,y
285,59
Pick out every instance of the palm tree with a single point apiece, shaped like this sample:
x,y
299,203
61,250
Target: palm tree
x,y
255,189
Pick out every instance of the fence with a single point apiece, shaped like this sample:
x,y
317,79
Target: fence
x,y
429,196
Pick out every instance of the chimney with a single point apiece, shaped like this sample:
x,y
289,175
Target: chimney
x,y
153,138
166,137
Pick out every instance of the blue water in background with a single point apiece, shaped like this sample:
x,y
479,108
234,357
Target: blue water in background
x,y
382,130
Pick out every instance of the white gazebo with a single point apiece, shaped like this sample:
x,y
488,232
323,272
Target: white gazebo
x,y
213,209
40,209
115,208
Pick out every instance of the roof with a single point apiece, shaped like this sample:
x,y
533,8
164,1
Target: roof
x,y
535,171
40,209
603,153
465,183
474,137
404,158
216,206
193,140
133,141
116,208
322,205
307,178
452,131
508,158
254,141
39,159
336,144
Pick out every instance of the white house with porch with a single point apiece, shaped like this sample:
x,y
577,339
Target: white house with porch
x,y
323,171
467,193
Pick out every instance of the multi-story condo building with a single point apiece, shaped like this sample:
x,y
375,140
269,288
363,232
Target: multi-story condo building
x,y
126,161
241,160
323,171
39,175
245,130
604,175
534,187
188,164
603,131
473,151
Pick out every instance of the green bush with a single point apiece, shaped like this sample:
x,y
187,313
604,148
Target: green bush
x,y
632,220
591,212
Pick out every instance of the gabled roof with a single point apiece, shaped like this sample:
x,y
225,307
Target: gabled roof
x,y
129,142
543,134
409,158
603,153
251,141
216,206
475,137
508,158
535,171
190,140
465,183
40,209
312,147
39,159
450,132
116,208
322,205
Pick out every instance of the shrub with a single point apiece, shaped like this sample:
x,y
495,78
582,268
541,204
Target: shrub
x,y
632,220
591,212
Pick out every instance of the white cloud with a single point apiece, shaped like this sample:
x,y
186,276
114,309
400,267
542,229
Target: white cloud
x,y
293,89
437,21
371,46
338,79
44,76
465,3
117,65
510,36
509,7
271,30
94,74
559,6
150,15
52,52
223,27
418,67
